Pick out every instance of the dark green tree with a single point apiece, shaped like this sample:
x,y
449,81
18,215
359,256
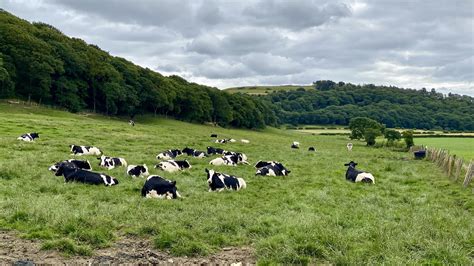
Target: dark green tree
x,y
408,137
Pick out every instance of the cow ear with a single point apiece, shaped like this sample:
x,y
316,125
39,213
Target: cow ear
x,y
173,182
346,164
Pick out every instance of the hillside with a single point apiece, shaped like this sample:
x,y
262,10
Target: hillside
x,y
311,216
264,90
328,102
39,63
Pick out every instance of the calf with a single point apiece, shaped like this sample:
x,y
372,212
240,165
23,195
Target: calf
x,y
271,168
213,135
84,150
349,146
295,145
28,137
158,187
81,164
71,173
137,170
355,175
311,149
219,182
111,162
169,154
194,153
212,150
173,166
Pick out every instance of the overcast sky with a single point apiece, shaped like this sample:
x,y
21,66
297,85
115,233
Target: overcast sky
x,y
406,43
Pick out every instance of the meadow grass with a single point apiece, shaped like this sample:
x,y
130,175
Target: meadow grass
x,y
413,214
463,147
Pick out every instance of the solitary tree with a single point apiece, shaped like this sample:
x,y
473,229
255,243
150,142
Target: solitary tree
x,y
392,135
363,127
408,137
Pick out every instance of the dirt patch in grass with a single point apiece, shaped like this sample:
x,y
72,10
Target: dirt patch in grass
x,y
130,250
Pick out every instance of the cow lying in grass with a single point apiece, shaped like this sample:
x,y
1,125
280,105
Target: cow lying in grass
x,y
81,164
137,170
169,154
173,166
355,175
158,187
72,173
28,137
231,159
242,158
219,182
111,162
223,141
84,150
295,145
271,168
194,153
212,150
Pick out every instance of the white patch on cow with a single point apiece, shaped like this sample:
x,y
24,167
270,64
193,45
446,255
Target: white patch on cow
x,y
296,143
242,183
26,138
271,172
232,140
163,156
361,176
244,141
217,161
53,168
94,151
152,194
122,160
349,146
210,173
201,155
146,173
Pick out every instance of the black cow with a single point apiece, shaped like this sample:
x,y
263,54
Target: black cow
x,y
84,150
355,175
137,170
271,168
81,164
71,173
219,182
212,150
311,149
28,136
158,187
194,153
169,154
213,135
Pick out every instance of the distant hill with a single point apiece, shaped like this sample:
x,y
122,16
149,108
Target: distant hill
x,y
328,102
263,90
39,63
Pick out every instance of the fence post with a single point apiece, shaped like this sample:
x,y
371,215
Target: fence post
x,y
469,173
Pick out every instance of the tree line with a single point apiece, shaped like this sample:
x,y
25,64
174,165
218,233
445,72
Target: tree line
x,y
39,63
329,102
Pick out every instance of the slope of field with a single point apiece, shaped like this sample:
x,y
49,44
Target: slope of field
x,y
463,147
412,215
263,90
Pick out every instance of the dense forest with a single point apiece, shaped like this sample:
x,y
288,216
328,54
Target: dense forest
x,y
329,102
39,63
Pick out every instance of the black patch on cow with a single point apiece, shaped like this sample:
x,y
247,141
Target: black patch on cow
x,y
352,173
213,135
136,171
311,149
160,185
82,164
183,164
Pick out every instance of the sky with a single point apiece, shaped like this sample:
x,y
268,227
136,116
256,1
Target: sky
x,y
229,43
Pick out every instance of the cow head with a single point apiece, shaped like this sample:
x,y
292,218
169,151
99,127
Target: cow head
x,y
210,174
103,160
34,135
54,167
351,163
160,165
72,147
144,170
64,166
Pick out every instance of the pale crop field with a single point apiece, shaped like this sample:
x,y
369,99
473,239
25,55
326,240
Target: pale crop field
x,y
412,215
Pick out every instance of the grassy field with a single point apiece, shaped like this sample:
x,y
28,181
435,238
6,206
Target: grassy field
x,y
463,147
412,215
262,90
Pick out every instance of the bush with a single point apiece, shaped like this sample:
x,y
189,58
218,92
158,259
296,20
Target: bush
x,y
408,137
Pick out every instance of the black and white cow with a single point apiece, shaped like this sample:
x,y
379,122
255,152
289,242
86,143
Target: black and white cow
x,y
241,157
29,136
158,187
194,153
219,182
295,145
111,162
81,164
72,173
271,168
224,140
213,135
212,150
169,154
85,150
173,166
311,149
355,175
137,170
232,160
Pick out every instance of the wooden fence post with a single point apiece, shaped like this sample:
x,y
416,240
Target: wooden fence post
x,y
458,167
469,174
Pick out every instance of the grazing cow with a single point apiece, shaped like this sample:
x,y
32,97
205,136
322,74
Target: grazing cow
x,y
245,141
355,175
349,146
72,173
160,188
28,137
194,153
311,149
219,182
111,162
131,122
271,168
84,150
173,166
81,164
137,170
169,154
295,145
212,150
213,135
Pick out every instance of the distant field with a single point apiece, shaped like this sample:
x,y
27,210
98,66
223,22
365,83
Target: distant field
x,y
412,215
262,90
340,130
463,147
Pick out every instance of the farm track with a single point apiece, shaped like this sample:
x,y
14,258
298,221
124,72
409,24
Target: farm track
x,y
130,250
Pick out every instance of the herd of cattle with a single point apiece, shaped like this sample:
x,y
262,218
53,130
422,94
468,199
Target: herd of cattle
x,y
158,187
